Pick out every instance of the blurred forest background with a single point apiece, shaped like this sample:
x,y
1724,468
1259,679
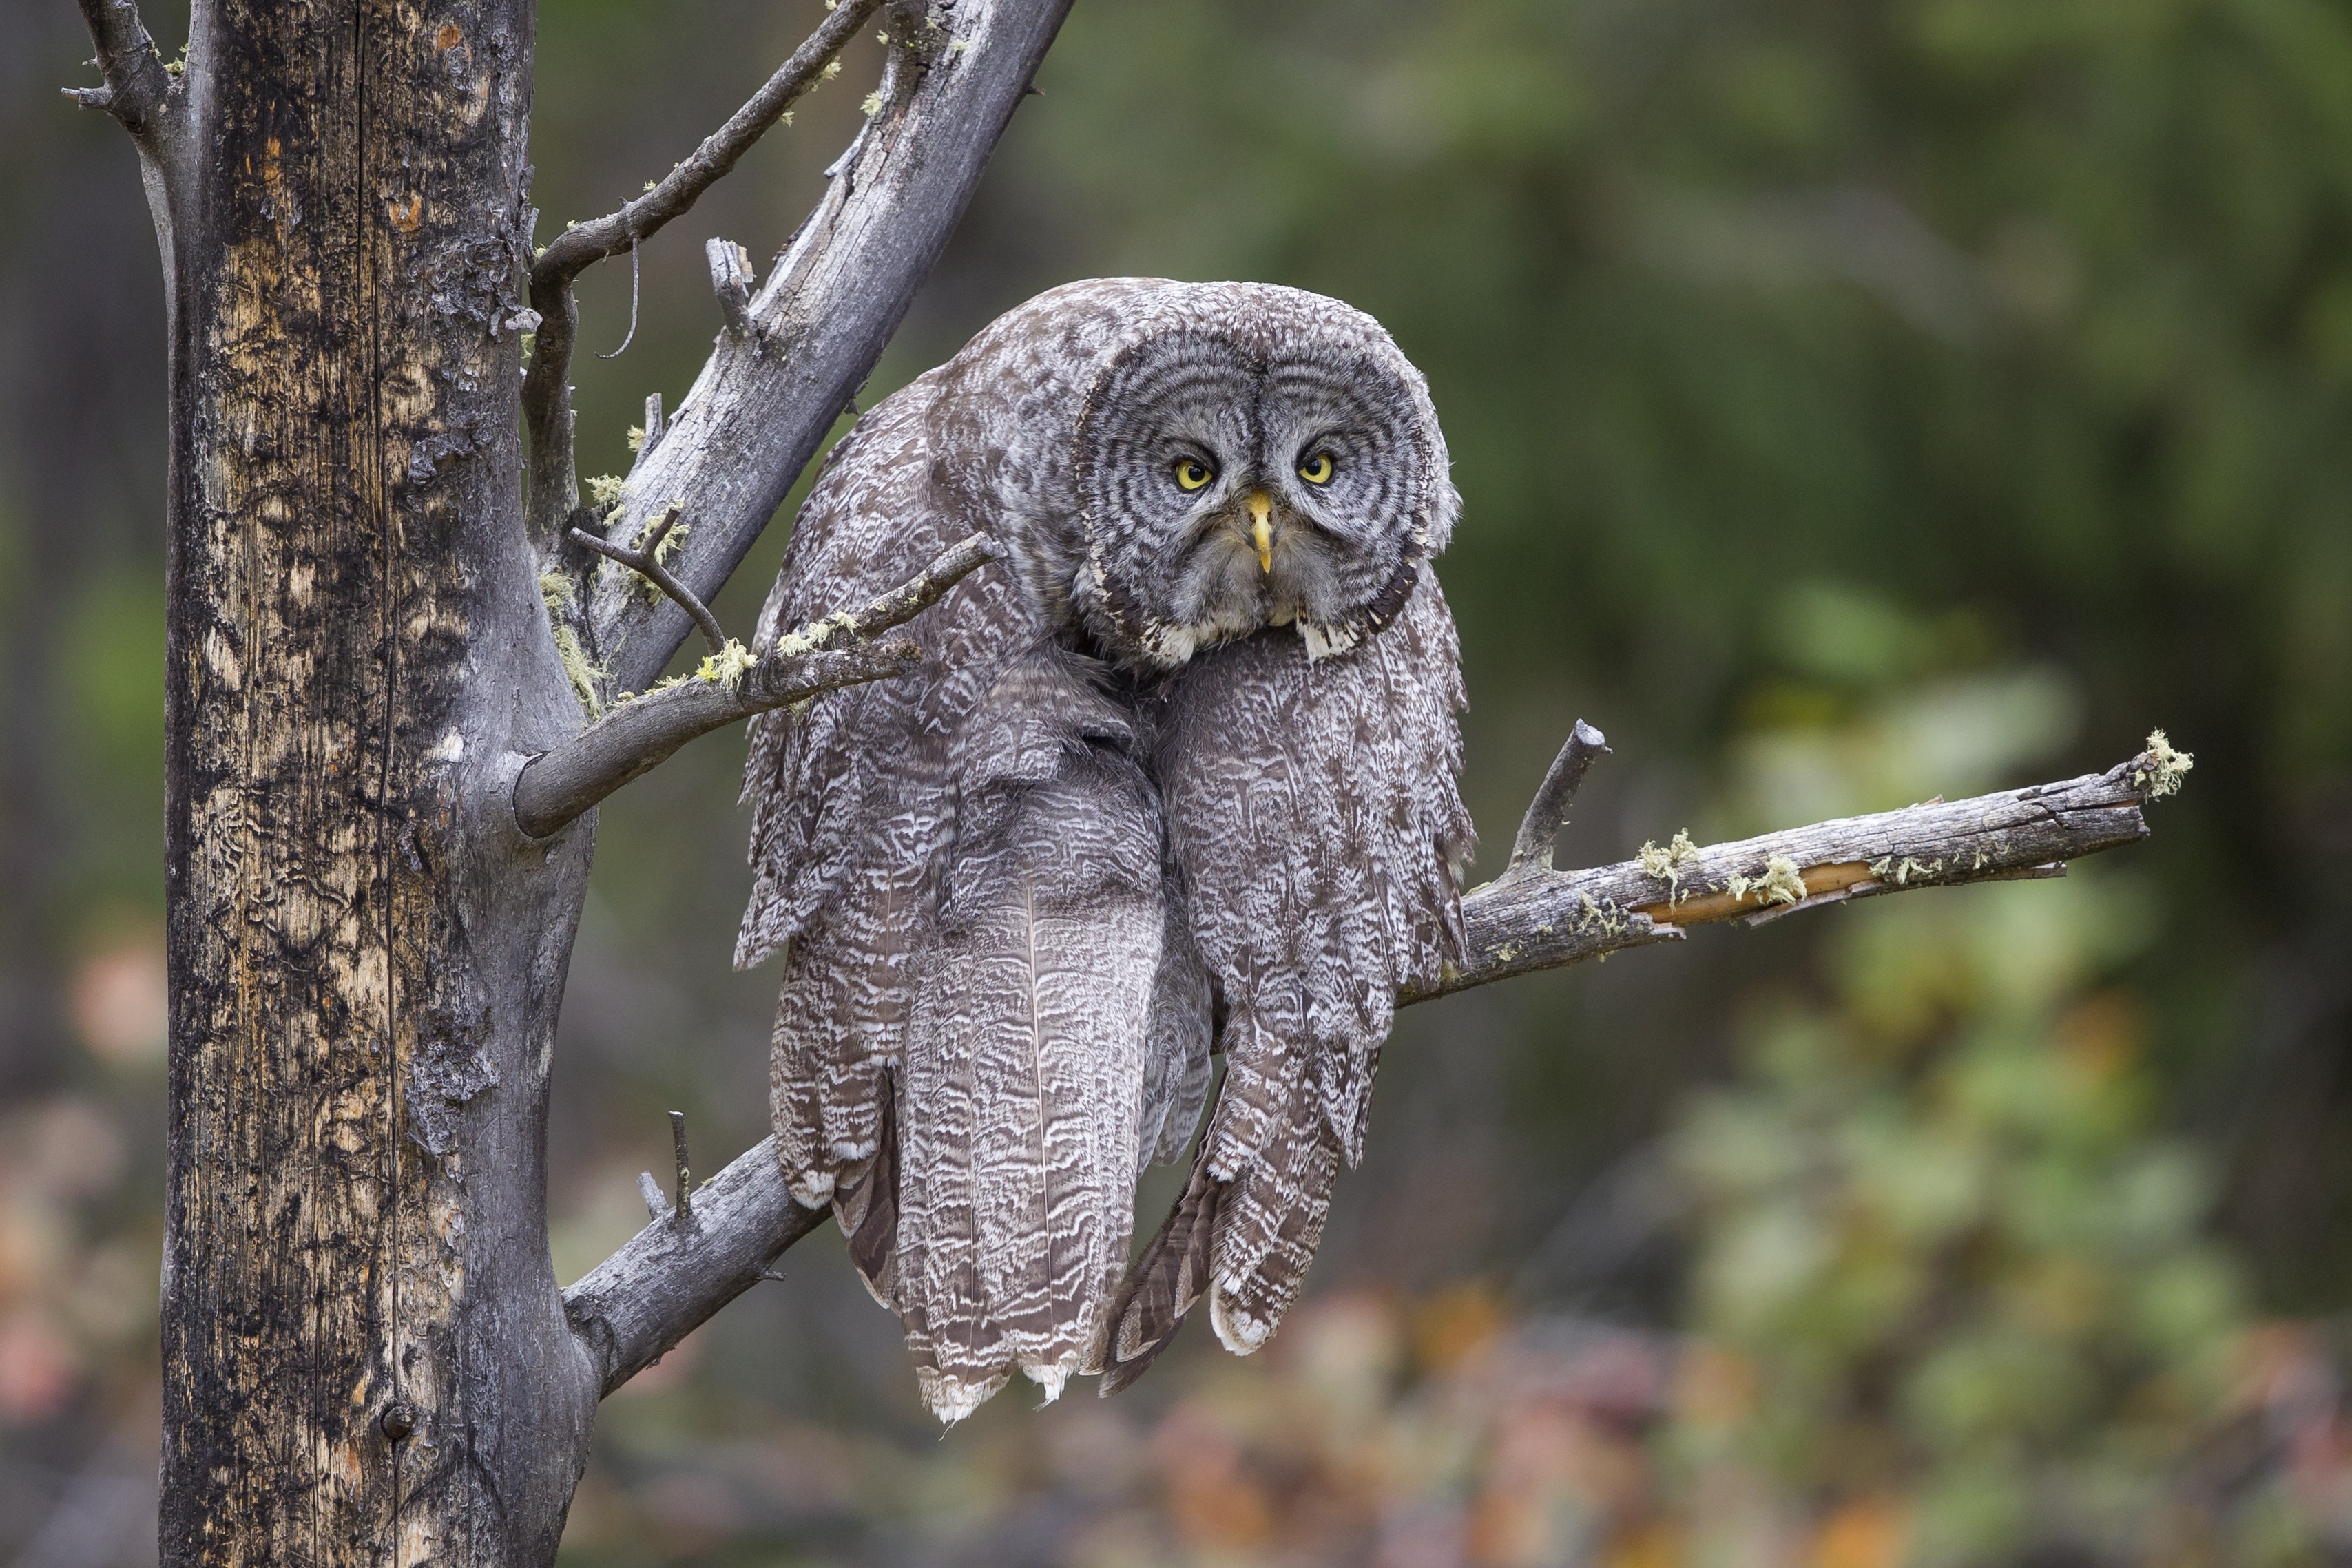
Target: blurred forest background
x,y
1855,400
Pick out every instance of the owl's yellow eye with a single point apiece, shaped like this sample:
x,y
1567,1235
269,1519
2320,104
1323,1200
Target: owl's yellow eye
x,y
1191,475
1317,470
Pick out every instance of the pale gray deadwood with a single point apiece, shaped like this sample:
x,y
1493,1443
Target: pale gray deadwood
x,y
767,398
638,735
653,1291
639,1302
546,394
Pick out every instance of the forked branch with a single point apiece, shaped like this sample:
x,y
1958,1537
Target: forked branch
x,y
775,384
638,735
547,402
648,1295
645,561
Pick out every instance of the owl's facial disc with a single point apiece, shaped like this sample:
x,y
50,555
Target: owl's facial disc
x,y
1232,485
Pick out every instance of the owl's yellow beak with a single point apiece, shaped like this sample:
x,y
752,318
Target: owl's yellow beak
x,y
1262,530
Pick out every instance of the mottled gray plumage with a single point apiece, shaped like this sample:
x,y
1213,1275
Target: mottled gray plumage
x,y
1184,767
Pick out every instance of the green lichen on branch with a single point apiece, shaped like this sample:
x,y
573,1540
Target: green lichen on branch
x,y
1604,916
1666,864
2161,773
585,673
1887,868
816,635
727,666
1780,882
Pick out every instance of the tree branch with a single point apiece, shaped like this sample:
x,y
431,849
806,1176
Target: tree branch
x,y
547,401
639,1302
139,90
1531,918
646,561
656,1290
769,394
640,734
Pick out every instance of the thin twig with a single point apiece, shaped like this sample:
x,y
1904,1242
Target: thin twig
x,y
580,246
646,561
637,735
1547,812
684,1213
656,1206
632,336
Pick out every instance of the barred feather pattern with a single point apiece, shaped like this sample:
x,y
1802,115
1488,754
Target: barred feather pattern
x,y
1147,782
1318,825
1022,1096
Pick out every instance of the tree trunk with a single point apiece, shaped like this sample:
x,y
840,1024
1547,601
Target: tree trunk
x,y
365,1355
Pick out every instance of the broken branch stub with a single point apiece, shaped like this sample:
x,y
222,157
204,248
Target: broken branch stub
x,y
731,280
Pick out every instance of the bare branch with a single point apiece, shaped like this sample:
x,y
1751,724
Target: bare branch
x,y
636,737
639,1302
139,90
1544,919
646,561
546,395
768,397
640,734
652,1293
578,247
1547,812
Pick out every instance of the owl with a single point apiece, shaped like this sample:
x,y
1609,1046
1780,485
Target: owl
x,y
1176,779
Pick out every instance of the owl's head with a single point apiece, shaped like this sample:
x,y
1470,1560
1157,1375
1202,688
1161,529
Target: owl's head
x,y
1254,457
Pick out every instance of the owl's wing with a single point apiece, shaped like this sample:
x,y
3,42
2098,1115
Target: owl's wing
x,y
1021,1096
1313,814
852,797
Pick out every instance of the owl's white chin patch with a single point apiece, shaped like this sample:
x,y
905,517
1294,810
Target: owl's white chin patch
x,y
951,1399
1237,1330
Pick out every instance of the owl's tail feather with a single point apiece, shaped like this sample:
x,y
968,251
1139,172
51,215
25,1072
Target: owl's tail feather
x,y
1268,1224
1162,1288
868,1209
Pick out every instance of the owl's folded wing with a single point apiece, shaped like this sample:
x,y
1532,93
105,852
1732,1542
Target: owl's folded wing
x,y
1316,823
851,795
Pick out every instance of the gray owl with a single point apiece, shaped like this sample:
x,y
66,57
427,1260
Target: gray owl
x,y
1176,779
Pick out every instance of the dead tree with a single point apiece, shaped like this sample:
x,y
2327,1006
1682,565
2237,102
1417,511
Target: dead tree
x,y
400,680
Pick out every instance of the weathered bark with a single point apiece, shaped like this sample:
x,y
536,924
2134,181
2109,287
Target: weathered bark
x,y
366,1354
